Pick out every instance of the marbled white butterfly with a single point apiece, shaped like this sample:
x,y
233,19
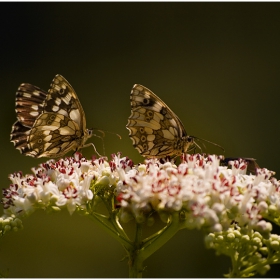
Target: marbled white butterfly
x,y
49,124
154,128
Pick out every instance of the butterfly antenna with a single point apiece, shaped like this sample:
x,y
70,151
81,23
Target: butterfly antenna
x,y
103,135
102,138
103,132
215,144
197,146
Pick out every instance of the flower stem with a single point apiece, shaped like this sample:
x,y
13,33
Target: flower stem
x,y
107,225
145,248
153,243
135,256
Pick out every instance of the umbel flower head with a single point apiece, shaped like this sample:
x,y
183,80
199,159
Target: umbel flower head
x,y
206,194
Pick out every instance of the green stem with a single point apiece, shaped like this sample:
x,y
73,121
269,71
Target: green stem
x,y
234,261
112,221
139,250
143,249
251,269
151,245
106,224
135,258
115,222
135,265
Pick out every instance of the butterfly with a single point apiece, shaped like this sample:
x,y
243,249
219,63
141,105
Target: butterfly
x,y
49,124
154,128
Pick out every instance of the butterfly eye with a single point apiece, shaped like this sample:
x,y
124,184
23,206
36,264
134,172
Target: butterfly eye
x,y
190,139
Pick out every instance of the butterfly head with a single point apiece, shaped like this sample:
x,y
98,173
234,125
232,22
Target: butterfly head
x,y
189,144
88,133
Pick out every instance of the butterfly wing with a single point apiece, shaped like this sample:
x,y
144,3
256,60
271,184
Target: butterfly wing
x,y
62,99
153,128
29,105
49,124
53,135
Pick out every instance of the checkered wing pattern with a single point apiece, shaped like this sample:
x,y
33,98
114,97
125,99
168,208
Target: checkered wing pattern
x,y
155,130
49,124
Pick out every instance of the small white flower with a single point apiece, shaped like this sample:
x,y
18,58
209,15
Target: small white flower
x,y
70,198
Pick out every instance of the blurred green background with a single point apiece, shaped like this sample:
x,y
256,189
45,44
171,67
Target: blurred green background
x,y
217,67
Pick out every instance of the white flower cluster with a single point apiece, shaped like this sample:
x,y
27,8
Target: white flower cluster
x,y
62,183
209,195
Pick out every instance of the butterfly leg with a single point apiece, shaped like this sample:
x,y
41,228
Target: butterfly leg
x,y
197,146
91,144
103,135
